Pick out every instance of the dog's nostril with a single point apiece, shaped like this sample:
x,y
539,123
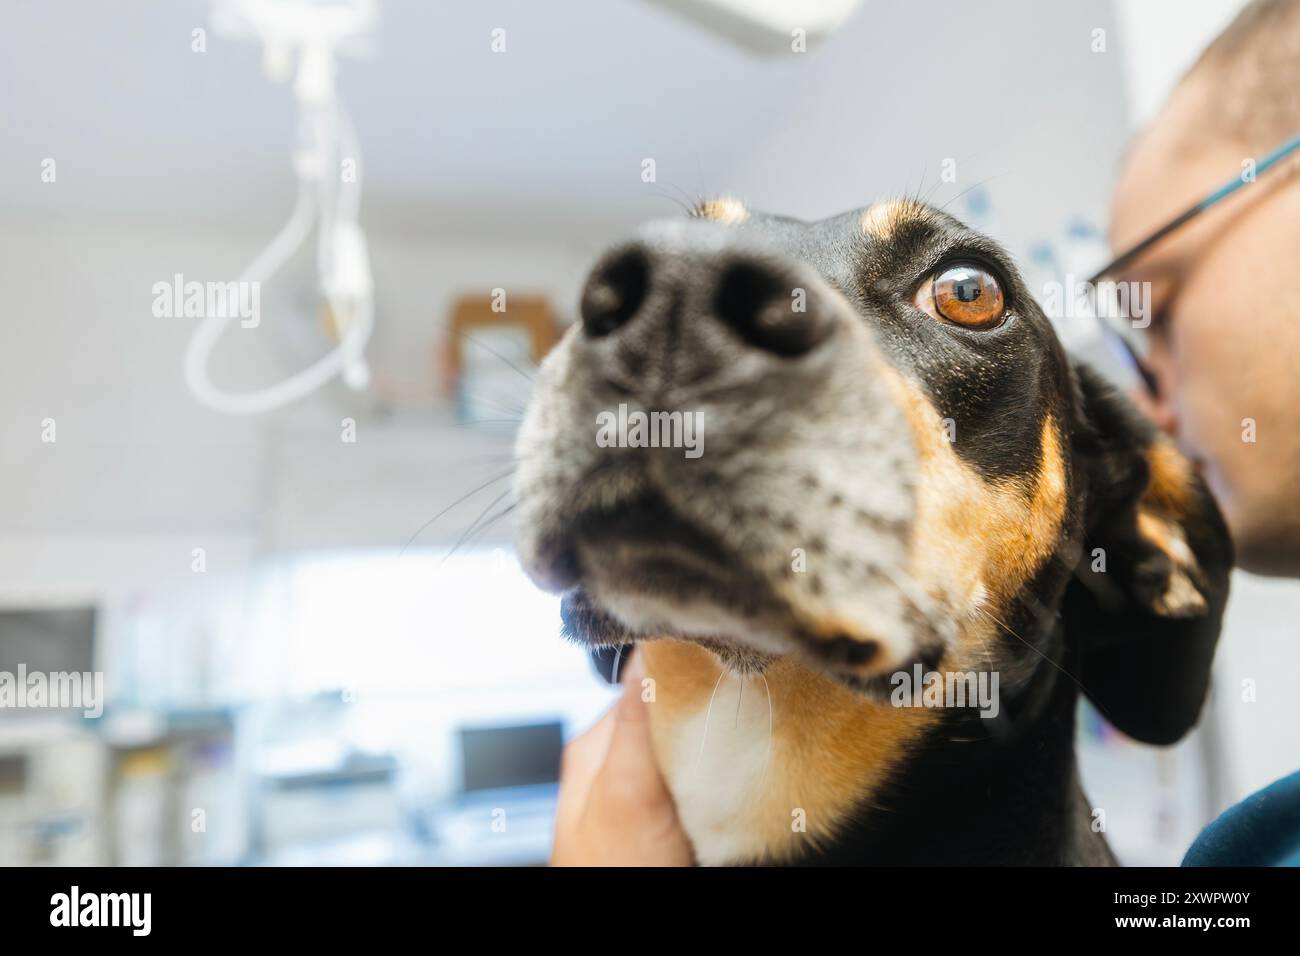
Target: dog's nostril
x,y
769,310
615,292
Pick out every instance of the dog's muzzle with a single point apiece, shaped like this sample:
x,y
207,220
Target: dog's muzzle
x,y
715,452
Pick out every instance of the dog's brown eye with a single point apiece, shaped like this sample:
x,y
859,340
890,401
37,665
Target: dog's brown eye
x,y
964,294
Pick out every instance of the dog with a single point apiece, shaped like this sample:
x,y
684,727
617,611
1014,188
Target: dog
x,y
902,477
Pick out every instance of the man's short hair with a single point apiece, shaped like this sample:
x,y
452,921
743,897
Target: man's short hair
x,y
1253,74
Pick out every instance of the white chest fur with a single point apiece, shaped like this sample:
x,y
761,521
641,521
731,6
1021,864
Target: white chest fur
x,y
719,764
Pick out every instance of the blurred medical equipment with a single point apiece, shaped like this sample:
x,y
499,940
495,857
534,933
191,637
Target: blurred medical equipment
x,y
504,811
328,154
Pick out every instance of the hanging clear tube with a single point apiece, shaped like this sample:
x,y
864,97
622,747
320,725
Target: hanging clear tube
x,y
327,140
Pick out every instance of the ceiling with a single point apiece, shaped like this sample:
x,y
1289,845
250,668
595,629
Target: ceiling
x,y
541,140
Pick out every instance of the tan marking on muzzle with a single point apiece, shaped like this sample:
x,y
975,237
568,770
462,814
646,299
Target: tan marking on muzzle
x,y
976,542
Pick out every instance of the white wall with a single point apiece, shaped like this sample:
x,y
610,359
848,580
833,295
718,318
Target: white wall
x,y
1259,656
1010,90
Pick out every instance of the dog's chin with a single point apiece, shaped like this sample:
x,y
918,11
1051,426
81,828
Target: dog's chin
x,y
642,616
664,588
642,581
652,572
641,572
619,614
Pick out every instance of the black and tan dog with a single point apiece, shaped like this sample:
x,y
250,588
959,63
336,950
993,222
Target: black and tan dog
x,y
899,467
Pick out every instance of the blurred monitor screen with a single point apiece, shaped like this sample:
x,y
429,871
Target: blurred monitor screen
x,y
496,757
48,641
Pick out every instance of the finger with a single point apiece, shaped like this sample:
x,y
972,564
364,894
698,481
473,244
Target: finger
x,y
630,774
579,764
584,754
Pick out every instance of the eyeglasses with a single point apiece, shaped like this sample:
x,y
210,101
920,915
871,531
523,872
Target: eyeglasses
x,y
1133,252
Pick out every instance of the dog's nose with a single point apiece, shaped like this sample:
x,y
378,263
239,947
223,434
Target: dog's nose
x,y
688,306
615,291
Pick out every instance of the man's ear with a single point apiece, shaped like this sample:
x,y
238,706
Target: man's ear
x,y
1147,600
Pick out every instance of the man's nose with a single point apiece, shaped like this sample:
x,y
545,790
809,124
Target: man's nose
x,y
694,310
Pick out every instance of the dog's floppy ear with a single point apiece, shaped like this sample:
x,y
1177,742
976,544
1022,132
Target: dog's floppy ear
x,y
1147,599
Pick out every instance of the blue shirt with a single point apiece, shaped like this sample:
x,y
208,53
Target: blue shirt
x,y
1262,830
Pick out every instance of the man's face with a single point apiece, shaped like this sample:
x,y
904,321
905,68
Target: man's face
x,y
1225,332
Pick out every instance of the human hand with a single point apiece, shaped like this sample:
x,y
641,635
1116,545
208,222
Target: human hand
x,y
614,807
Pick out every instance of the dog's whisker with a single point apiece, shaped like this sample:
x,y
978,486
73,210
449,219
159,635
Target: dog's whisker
x,y
618,656
683,206
461,500
475,527
496,457
930,194
975,185
1077,683
497,404
708,713
497,398
491,350
767,760
691,199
